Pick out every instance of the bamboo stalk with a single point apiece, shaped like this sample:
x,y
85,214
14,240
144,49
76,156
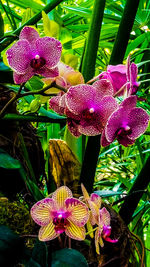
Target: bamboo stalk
x,y
124,30
132,200
88,69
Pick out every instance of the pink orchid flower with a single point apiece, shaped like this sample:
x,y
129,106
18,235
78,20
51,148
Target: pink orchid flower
x,y
125,124
67,76
34,55
59,214
122,78
104,230
86,107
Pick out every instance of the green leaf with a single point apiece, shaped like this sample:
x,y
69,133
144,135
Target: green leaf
x,y
51,28
34,83
40,253
7,162
32,263
68,258
35,191
107,193
11,247
28,13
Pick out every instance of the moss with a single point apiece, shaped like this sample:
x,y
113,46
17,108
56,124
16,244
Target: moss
x,y
16,216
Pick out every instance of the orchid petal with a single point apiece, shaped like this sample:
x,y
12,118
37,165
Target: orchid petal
x,y
104,88
46,72
138,121
22,78
78,97
129,103
30,34
104,216
104,141
19,56
41,211
47,232
49,49
75,232
78,211
60,195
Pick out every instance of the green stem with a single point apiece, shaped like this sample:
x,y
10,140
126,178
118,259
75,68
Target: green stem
x,y
124,30
33,118
132,201
91,47
90,162
88,69
32,21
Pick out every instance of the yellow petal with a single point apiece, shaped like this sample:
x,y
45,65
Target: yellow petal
x,y
85,193
47,232
75,232
78,211
41,211
97,241
90,229
60,195
74,78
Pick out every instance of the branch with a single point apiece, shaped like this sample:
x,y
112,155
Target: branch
x,y
37,92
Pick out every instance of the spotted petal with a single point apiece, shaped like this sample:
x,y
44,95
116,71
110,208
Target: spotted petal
x,y
78,211
49,49
47,232
41,211
19,56
138,121
30,34
75,232
60,195
104,87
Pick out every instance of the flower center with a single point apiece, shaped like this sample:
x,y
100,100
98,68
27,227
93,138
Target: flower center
x,y
123,131
88,114
60,223
37,62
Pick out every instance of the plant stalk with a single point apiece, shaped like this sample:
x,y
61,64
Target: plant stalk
x,y
88,69
124,30
132,200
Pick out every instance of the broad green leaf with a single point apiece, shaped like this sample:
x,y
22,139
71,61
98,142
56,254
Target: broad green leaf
x,y
35,191
35,83
8,162
11,247
51,28
68,258
40,253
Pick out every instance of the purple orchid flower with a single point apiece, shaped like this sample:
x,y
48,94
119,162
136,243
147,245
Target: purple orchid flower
x,y
34,55
122,77
59,214
125,124
88,109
